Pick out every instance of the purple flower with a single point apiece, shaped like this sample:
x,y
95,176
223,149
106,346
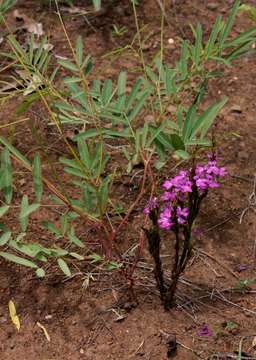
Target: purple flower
x,y
241,267
167,184
205,331
206,176
175,198
182,215
168,196
152,204
165,220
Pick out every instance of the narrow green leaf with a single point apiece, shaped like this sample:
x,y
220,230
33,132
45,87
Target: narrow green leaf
x,y
226,30
182,154
213,37
170,77
74,239
6,175
3,210
205,121
79,50
76,256
198,44
64,267
97,4
18,260
133,94
106,91
37,178
5,238
177,142
68,65
137,108
23,220
52,228
15,152
121,83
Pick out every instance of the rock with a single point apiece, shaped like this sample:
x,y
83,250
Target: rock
x,y
3,319
212,6
172,109
236,109
150,119
243,155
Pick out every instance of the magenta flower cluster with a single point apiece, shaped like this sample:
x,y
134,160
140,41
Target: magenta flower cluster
x,y
207,175
173,202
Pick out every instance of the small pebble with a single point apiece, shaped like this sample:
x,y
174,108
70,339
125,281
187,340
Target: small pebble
x,y
212,6
170,41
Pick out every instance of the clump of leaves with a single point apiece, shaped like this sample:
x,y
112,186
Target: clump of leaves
x,y
105,111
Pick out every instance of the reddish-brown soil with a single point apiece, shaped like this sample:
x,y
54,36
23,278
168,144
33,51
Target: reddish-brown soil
x,y
99,322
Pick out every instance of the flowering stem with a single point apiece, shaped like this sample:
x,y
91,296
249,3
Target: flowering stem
x,y
154,241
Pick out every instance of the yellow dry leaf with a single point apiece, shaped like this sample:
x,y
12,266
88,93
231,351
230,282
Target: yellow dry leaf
x,y
13,315
254,343
44,330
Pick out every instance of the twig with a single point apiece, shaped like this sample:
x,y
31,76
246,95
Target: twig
x,y
251,201
188,348
218,262
222,297
224,356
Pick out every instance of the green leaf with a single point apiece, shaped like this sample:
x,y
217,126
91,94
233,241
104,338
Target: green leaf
x,y
205,121
182,154
106,91
64,224
121,87
183,63
177,142
5,238
29,209
170,83
6,175
226,30
112,265
198,45
87,134
84,152
79,50
68,65
3,210
97,4
52,228
37,178
40,272
137,108
190,118
213,37
23,220
15,152
133,94
18,260
64,267
76,256
74,239
95,258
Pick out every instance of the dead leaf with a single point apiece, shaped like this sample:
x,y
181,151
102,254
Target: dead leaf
x,y
44,330
13,315
29,24
254,343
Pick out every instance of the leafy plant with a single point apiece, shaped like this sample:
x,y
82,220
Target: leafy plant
x,y
6,5
106,112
